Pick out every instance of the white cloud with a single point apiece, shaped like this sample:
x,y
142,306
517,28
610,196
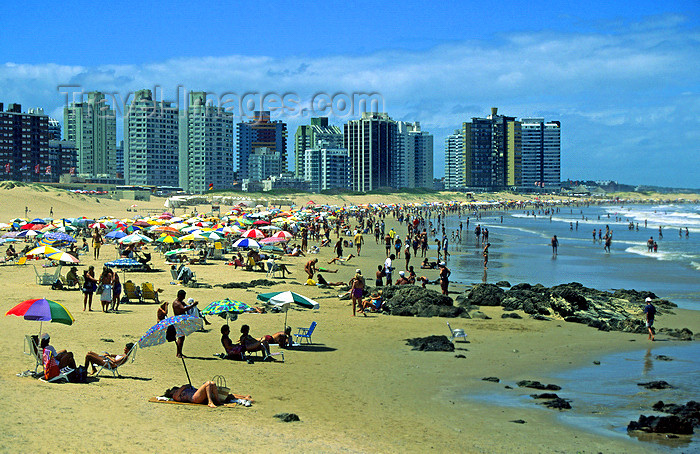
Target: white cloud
x,y
605,86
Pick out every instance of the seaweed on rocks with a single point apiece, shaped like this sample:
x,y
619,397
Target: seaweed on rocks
x,y
431,344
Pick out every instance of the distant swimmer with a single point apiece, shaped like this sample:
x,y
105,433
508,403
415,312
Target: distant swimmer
x,y
650,244
594,232
661,233
608,242
687,234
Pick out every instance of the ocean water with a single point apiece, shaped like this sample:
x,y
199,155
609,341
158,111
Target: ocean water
x,y
604,397
520,249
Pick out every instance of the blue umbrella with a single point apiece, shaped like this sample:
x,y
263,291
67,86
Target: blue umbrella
x,y
60,236
115,234
124,263
246,242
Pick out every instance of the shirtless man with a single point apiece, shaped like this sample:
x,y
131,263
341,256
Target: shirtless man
x,y
310,268
282,338
357,288
179,308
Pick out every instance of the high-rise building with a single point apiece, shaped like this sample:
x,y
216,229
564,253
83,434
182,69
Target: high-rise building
x,y
326,168
370,142
492,151
24,144
63,158
413,157
260,132
308,136
120,159
54,129
206,146
541,161
263,162
150,141
454,161
92,126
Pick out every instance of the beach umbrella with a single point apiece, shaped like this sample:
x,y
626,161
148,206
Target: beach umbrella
x,y
28,234
253,233
61,256
115,234
42,310
124,264
271,239
246,242
179,325
60,236
261,222
271,248
226,306
182,250
167,239
42,250
98,225
135,238
213,235
194,237
32,226
283,234
288,297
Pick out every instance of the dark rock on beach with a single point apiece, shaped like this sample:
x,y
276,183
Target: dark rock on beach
x,y
658,384
518,421
492,379
511,315
663,358
287,417
503,284
483,295
544,396
460,356
681,334
689,411
558,403
431,344
478,314
662,424
409,300
541,317
253,283
537,385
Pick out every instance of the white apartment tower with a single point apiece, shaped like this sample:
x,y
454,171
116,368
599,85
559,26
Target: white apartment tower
x,y
541,153
150,141
454,160
92,126
206,146
413,157
326,167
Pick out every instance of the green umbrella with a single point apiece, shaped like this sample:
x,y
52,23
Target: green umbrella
x,y
288,297
226,306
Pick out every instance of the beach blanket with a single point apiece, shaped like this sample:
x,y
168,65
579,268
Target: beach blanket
x,y
165,400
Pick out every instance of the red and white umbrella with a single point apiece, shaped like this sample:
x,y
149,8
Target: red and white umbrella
x,y
253,233
98,225
283,234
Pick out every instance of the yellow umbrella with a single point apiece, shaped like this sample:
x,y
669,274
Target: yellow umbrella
x,y
43,250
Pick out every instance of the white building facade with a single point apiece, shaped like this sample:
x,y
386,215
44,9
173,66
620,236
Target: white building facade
x,y
205,146
151,150
454,161
326,168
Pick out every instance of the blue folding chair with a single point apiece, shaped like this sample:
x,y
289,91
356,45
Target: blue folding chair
x,y
305,333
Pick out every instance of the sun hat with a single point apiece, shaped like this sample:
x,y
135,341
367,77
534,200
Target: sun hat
x,y
45,336
401,273
648,300
358,271
441,263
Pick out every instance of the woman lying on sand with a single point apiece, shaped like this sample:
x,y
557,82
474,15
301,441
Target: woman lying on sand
x,y
207,393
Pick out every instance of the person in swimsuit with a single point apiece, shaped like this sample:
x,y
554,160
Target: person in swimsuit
x,y
322,281
116,292
282,338
89,287
95,359
444,278
207,393
378,282
357,288
252,344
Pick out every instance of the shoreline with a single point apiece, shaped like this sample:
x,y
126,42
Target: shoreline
x,y
360,389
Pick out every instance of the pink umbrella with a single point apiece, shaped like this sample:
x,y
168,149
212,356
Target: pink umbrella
x,y
253,233
273,239
261,222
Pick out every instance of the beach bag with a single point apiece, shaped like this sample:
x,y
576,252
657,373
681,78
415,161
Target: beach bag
x,y
221,388
51,369
79,375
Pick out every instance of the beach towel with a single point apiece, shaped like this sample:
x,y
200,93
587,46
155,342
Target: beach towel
x,y
165,400
106,294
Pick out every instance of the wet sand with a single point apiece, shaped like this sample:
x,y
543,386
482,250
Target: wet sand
x,y
359,388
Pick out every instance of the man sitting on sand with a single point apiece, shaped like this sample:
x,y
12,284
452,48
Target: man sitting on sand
x,y
427,265
341,259
372,304
252,344
94,359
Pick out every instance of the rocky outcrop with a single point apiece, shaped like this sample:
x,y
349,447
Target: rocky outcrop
x,y
431,344
410,300
681,334
482,295
537,385
658,384
689,411
558,404
661,424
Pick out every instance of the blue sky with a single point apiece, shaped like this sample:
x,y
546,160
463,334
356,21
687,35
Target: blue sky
x,y
624,81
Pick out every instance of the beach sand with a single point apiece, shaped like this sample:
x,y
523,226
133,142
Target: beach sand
x,y
359,388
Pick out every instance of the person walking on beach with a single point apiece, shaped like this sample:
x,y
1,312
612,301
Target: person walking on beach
x,y
650,312
555,245
339,247
179,308
359,241
96,243
357,288
486,254
444,278
608,242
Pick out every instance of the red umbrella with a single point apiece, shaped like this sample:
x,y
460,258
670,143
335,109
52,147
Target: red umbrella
x,y
261,222
31,226
253,233
282,234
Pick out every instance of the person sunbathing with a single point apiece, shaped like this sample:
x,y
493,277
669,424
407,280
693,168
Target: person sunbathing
x,y
281,338
322,281
207,393
252,344
95,359
372,304
427,265
341,259
296,252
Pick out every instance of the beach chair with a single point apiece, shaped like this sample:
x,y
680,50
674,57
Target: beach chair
x,y
272,268
305,333
47,278
21,261
148,292
31,348
62,375
131,291
457,333
218,252
130,358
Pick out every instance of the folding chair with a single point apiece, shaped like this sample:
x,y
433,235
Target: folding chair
x,y
218,251
272,268
31,347
457,333
305,333
148,292
62,374
131,291
130,358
